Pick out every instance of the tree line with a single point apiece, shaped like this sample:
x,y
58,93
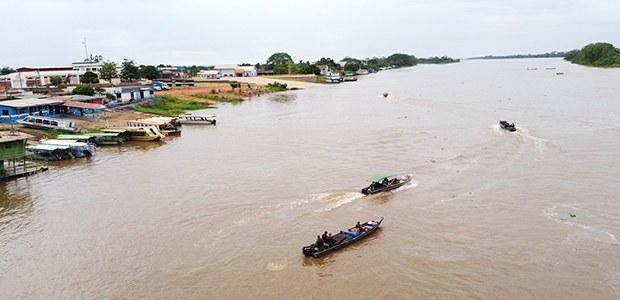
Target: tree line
x,y
595,54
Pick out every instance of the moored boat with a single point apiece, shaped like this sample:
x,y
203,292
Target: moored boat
x,y
138,134
169,126
46,123
382,183
107,138
50,152
197,119
507,126
342,239
78,149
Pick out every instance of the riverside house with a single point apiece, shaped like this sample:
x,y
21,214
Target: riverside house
x,y
13,156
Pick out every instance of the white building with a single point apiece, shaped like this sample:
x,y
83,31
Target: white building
x,y
27,77
236,71
210,74
226,70
248,71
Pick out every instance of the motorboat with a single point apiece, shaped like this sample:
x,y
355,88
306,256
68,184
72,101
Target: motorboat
x,y
382,183
342,239
507,126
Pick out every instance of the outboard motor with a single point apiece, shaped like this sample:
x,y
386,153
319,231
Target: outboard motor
x,y
308,250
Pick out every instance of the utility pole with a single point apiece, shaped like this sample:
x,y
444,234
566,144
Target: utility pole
x,y
87,59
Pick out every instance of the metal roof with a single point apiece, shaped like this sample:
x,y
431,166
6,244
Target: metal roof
x,y
18,103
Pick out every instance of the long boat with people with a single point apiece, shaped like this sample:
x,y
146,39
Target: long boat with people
x,y
47,123
137,134
386,182
197,119
326,244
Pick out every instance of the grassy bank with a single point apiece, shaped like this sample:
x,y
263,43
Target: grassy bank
x,y
169,105
218,98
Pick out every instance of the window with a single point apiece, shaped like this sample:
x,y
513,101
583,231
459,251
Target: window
x,y
5,112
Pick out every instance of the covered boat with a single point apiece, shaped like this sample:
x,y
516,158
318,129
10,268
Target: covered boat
x,y
342,239
507,126
50,152
138,134
385,182
197,119
78,149
46,123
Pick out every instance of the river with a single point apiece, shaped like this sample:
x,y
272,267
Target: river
x,y
222,212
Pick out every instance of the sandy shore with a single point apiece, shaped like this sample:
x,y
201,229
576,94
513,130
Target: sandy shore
x,y
265,80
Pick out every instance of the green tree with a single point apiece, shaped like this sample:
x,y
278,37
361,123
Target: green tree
x,y
401,60
89,77
83,90
108,71
333,66
280,59
352,65
149,72
595,54
129,71
6,70
193,70
55,80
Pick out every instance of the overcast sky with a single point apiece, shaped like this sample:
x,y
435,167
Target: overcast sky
x,y
205,32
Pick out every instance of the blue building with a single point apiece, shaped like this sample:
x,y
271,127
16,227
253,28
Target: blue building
x,y
13,110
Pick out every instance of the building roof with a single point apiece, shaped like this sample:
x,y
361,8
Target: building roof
x,y
93,106
29,102
7,136
209,72
225,66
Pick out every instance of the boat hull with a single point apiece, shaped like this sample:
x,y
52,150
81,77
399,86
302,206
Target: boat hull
x,y
343,239
403,180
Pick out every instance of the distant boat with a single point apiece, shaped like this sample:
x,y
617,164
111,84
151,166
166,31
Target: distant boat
x,y
349,77
46,123
559,73
507,126
332,78
197,119
550,68
385,95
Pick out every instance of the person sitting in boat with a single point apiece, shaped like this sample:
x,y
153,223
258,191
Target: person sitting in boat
x,y
359,227
327,238
384,182
395,181
319,243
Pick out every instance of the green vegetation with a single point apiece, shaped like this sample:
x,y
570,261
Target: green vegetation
x,y
438,60
596,54
6,70
93,130
129,71
56,80
170,105
276,87
543,55
89,77
217,98
148,72
83,90
52,132
108,71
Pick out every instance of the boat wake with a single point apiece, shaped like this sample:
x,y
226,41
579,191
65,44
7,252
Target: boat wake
x,y
336,200
276,266
564,214
540,143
